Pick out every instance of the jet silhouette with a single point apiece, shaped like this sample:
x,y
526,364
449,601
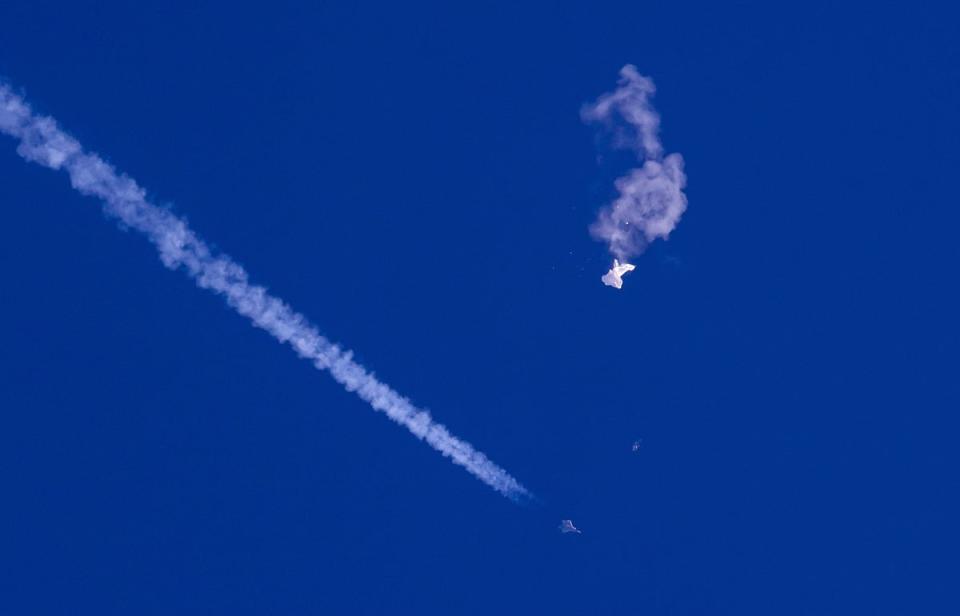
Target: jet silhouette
x,y
566,526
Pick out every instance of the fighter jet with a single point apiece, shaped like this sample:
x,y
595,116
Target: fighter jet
x,y
613,277
566,526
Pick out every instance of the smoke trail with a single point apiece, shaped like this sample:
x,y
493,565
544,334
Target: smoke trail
x,y
41,141
651,200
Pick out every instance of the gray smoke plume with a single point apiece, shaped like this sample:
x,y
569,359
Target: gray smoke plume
x,y
650,198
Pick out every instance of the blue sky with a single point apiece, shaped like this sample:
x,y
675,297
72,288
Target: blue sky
x,y
417,181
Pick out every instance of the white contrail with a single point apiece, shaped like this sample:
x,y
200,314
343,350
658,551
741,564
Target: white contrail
x,y
41,141
651,200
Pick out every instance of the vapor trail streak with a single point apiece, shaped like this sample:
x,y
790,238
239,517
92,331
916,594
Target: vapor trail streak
x,y
42,142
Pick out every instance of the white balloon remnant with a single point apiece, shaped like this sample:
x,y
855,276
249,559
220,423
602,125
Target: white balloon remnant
x,y
614,278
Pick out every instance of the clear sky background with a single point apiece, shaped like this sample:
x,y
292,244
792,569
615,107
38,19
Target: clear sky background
x,y
415,178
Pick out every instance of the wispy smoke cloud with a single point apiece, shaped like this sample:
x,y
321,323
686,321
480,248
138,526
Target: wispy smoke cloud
x,y
41,141
650,200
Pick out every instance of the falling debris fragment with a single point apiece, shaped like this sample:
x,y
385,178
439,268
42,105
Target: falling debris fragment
x,y
613,278
566,526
